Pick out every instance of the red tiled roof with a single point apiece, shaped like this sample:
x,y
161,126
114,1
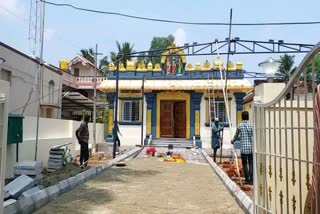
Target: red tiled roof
x,y
83,60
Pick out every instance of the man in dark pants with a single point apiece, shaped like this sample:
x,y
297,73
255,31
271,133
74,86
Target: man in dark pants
x,y
215,137
115,131
82,134
246,133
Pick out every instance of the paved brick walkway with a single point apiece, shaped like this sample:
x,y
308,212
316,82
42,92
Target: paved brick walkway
x,y
147,185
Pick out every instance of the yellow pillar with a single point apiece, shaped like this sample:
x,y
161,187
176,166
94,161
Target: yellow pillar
x,y
149,121
110,120
197,122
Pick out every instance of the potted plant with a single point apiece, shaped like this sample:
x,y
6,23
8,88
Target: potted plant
x,y
151,151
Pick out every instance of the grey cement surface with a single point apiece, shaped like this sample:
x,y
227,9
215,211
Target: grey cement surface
x,y
31,165
148,185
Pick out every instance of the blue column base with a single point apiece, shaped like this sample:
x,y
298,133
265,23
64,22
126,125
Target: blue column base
x,y
109,138
146,140
198,142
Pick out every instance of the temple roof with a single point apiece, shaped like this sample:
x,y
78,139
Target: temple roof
x,y
199,84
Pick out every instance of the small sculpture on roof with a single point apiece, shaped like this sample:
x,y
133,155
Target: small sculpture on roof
x,y
217,63
121,67
231,66
150,66
198,67
131,65
189,67
239,65
157,67
141,66
111,67
206,66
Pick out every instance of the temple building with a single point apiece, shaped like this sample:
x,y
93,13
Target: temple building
x,y
179,100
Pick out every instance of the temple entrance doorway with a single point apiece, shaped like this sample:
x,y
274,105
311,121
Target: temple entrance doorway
x,y
172,119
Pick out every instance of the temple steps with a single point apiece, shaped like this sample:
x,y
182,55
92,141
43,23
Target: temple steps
x,y
176,142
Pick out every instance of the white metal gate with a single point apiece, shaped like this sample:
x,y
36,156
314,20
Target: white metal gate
x,y
286,153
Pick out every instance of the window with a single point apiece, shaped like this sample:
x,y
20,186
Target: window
x,y
130,111
218,108
51,91
6,75
76,72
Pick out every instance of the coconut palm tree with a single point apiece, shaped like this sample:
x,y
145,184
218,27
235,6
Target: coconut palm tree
x,y
103,65
88,54
123,49
286,67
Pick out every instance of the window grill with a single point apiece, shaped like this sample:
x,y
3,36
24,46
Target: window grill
x,y
130,111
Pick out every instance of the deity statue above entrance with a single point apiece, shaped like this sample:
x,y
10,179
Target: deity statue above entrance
x,y
173,61
173,65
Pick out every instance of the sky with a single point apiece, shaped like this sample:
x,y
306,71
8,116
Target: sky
x,y
67,31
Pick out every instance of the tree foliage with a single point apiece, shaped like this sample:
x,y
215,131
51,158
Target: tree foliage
x,y
287,65
88,54
103,65
123,49
316,61
160,43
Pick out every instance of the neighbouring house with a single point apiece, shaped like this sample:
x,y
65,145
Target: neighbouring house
x,y
20,70
179,100
78,88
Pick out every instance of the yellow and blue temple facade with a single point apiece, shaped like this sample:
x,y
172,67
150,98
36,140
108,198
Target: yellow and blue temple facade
x,y
180,99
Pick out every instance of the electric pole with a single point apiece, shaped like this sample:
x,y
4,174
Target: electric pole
x,y
40,76
95,97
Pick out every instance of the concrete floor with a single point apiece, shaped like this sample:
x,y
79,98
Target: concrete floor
x,y
147,185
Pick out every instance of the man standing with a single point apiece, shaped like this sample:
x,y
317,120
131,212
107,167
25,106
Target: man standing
x,y
246,133
115,131
215,139
82,134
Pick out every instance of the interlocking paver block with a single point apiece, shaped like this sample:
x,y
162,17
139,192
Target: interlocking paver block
x,y
19,185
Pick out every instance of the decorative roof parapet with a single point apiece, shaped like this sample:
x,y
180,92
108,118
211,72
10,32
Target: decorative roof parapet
x,y
131,66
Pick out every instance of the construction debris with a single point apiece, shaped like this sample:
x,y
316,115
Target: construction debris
x,y
33,169
58,157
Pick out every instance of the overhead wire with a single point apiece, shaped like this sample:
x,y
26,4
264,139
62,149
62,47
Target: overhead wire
x,y
177,21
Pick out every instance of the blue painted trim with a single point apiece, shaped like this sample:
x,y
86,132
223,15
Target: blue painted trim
x,y
129,123
239,100
150,99
130,98
110,97
185,75
195,101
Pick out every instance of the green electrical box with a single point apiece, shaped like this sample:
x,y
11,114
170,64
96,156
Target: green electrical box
x,y
15,129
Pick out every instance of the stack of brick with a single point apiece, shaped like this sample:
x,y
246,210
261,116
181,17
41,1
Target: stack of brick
x,y
33,169
56,159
